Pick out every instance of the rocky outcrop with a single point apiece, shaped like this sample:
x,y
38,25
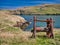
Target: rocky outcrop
x,y
6,17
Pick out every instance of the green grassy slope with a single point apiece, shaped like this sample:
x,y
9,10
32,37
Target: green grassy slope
x,y
42,9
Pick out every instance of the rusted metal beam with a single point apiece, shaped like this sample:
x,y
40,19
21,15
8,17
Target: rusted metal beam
x,y
44,20
49,26
34,27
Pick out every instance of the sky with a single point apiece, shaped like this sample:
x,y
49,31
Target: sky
x,y
10,4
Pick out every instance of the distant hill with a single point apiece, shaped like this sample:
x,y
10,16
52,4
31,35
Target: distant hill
x,y
45,9
42,9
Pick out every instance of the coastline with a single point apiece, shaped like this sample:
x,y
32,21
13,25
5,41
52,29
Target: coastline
x,y
45,9
56,28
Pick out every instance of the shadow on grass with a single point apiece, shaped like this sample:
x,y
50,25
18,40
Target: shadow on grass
x,y
38,36
41,36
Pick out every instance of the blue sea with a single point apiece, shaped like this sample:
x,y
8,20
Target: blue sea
x,y
42,24
13,4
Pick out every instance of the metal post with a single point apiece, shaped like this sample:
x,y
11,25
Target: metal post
x,y
51,26
47,33
34,27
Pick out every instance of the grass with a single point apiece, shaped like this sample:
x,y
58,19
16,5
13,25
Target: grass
x,y
10,35
43,9
22,38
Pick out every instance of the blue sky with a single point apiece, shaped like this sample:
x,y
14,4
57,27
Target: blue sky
x,y
22,3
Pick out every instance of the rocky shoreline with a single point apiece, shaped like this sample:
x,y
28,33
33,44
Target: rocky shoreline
x,y
5,15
